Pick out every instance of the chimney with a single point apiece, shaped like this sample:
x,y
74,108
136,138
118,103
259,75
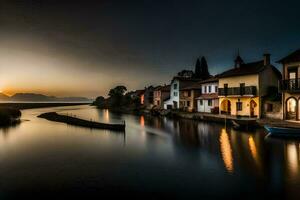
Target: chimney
x,y
267,59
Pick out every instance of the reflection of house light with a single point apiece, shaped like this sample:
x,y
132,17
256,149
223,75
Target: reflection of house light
x,y
292,158
226,150
142,121
253,149
106,115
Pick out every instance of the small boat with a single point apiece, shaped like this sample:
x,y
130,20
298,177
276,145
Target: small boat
x,y
283,131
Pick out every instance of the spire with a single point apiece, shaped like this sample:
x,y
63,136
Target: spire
x,y
198,70
238,60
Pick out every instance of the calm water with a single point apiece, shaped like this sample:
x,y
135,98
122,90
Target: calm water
x,y
156,157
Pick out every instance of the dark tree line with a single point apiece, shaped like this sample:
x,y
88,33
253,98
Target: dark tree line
x,y
201,69
118,98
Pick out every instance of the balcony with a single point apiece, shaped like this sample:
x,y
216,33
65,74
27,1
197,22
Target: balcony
x,y
290,85
238,91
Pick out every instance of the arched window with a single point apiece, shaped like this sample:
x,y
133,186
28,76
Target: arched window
x,y
291,108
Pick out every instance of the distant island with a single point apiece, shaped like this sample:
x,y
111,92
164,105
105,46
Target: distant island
x,y
33,97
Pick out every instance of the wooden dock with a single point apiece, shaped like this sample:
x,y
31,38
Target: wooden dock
x,y
53,116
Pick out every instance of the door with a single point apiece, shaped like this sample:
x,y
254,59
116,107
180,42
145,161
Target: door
x,y
252,108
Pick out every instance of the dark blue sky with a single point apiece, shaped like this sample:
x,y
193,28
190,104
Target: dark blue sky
x,y
147,41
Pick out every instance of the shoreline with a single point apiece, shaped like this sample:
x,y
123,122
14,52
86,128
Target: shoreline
x,y
208,117
31,105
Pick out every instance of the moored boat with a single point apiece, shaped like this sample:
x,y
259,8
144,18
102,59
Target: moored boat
x,y
283,131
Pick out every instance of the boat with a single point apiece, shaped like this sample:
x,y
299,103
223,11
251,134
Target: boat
x,y
283,131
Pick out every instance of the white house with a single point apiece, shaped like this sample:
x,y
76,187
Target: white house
x,y
177,83
208,99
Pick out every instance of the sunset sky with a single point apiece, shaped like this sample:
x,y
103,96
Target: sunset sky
x,y
83,49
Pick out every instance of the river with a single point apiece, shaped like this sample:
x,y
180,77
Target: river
x,y
154,158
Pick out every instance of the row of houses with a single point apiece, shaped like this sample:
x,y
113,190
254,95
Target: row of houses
x,y
243,90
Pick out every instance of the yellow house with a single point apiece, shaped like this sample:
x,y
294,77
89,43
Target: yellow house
x,y
290,86
242,88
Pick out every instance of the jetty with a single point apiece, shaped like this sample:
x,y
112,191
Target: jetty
x,y
53,116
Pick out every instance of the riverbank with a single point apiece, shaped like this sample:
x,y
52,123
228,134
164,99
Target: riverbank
x,y
9,116
220,118
22,106
53,116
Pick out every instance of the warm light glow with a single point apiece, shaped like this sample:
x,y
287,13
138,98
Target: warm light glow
x,y
291,105
253,149
142,121
292,158
142,99
106,115
226,150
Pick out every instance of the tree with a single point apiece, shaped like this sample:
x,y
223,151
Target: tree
x,y
204,69
100,102
186,73
116,95
117,91
198,69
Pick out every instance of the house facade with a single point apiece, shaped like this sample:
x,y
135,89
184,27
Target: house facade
x,y
188,95
146,96
176,85
208,101
242,88
290,86
160,94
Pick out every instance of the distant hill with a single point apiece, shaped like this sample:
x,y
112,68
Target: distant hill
x,y
40,97
3,97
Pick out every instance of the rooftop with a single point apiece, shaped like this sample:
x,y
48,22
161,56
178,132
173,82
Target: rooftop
x,y
293,57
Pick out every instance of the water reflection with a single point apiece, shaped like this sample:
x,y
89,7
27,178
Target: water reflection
x,y
142,120
293,158
226,150
161,154
106,115
253,150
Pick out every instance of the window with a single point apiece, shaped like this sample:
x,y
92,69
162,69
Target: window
x,y
189,93
216,89
175,94
209,102
188,103
205,90
201,102
239,106
175,86
209,89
